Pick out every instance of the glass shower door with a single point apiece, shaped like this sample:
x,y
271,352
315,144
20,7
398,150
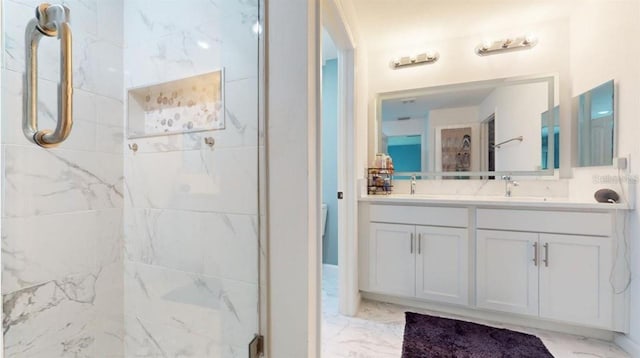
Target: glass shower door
x,y
139,235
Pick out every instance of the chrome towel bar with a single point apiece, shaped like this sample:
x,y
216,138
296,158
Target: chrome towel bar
x,y
519,139
50,21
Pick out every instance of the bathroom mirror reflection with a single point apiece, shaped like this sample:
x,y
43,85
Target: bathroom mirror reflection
x,y
472,130
595,116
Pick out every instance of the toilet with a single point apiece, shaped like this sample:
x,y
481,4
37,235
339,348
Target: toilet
x,y
324,218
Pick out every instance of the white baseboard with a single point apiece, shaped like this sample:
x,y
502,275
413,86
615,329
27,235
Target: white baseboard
x,y
486,317
629,345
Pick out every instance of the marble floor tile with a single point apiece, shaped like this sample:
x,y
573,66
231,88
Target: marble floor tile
x,y
377,330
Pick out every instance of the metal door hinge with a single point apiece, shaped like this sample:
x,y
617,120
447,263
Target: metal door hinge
x,y
340,195
256,347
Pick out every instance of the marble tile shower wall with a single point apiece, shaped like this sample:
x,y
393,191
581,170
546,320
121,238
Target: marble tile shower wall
x,y
191,211
62,236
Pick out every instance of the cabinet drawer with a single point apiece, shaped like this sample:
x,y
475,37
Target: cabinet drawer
x,y
560,222
419,215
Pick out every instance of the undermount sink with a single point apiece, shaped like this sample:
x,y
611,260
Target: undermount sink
x,y
475,197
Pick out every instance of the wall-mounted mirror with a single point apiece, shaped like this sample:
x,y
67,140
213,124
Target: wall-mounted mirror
x,y
596,122
561,44
472,130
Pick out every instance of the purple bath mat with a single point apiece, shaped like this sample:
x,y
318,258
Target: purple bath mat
x,y
435,337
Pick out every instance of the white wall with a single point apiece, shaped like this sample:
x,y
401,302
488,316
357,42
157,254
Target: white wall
x,y
518,110
597,23
453,118
459,63
294,200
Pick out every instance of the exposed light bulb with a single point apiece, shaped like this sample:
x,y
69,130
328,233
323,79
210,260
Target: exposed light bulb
x,y
529,39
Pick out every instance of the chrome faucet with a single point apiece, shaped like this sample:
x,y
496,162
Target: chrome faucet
x,y
413,184
509,183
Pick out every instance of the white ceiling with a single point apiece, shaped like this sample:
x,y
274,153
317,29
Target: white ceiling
x,y
392,109
392,23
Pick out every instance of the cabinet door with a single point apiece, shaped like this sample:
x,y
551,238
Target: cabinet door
x,y
507,275
392,259
574,279
442,264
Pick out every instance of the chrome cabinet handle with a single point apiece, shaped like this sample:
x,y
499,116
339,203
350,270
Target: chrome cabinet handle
x,y
419,244
535,254
546,254
50,21
411,238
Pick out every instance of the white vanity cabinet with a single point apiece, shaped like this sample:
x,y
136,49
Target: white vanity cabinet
x,y
556,276
506,275
392,259
417,260
529,264
574,279
442,264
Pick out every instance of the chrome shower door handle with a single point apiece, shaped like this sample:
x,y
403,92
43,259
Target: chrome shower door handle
x,y
50,21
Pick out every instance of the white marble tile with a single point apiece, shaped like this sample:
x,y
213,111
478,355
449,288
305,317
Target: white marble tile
x,y
51,319
146,339
218,245
225,311
111,20
108,324
378,329
109,288
100,68
42,181
110,124
178,42
108,339
32,256
218,180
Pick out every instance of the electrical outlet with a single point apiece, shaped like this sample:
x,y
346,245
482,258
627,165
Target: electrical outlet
x,y
620,163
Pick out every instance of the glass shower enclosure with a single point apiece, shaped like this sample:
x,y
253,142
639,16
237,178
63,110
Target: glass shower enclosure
x,y
131,169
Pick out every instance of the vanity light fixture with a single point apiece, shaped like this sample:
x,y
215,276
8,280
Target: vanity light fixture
x,y
510,44
419,59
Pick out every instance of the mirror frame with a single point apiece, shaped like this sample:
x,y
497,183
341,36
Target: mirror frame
x,y
552,84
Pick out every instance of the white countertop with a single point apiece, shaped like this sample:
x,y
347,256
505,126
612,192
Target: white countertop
x,y
501,201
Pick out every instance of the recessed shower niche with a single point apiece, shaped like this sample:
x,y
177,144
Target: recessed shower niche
x,y
191,104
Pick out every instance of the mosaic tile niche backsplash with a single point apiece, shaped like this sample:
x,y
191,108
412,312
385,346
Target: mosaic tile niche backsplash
x,y
186,105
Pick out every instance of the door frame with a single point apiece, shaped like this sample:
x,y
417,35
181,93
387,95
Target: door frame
x,y
334,21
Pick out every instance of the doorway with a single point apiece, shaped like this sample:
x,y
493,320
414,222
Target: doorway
x,y
330,218
488,135
337,242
